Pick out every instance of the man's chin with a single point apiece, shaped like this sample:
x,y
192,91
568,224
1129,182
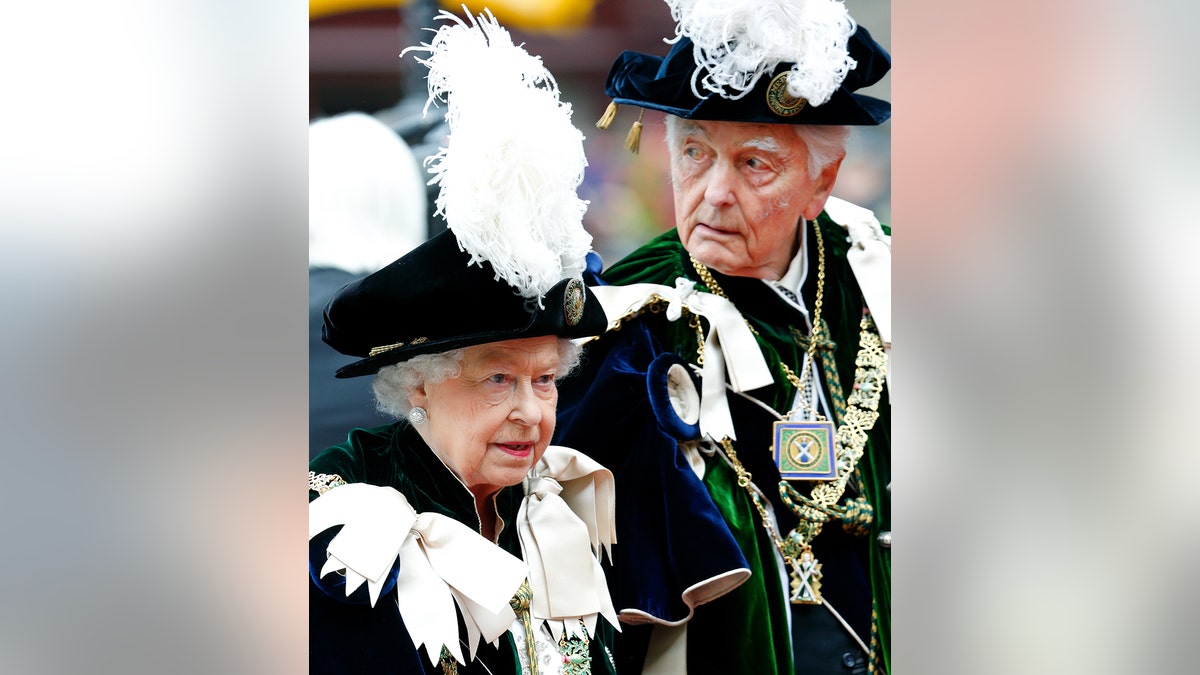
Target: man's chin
x,y
712,255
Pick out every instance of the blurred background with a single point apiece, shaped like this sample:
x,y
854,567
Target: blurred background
x,y
354,65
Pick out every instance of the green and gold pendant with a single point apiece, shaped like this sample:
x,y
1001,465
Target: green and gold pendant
x,y
805,450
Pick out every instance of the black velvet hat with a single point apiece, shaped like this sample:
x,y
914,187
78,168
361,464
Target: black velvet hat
x,y
772,62
510,263
432,300
665,84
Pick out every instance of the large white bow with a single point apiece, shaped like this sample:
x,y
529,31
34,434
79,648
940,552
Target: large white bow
x,y
729,345
566,518
870,258
442,562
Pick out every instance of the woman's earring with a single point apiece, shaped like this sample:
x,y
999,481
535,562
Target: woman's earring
x,y
417,416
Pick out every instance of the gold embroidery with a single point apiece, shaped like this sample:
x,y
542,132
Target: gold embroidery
x,y
376,351
323,482
447,662
780,101
577,659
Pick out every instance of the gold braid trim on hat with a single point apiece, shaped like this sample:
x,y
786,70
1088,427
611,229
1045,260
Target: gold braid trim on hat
x,y
376,351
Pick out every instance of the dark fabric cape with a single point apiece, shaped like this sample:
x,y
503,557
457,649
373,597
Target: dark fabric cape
x,y
348,635
673,528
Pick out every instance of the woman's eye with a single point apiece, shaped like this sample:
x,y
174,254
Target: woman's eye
x,y
545,379
498,378
692,151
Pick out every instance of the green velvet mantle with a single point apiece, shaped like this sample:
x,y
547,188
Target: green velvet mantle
x,y
777,324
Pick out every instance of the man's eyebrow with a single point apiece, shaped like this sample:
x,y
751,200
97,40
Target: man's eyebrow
x,y
764,143
692,129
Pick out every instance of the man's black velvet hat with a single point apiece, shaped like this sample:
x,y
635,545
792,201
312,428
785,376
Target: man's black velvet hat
x,y
665,84
431,300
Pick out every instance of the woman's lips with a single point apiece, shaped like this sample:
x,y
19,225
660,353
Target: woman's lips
x,y
516,449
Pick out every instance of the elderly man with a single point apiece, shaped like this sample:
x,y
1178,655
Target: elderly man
x,y
741,393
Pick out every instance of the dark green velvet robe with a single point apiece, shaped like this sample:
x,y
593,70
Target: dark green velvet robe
x,y
349,635
746,631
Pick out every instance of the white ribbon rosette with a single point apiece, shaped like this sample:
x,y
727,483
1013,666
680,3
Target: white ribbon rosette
x,y
729,348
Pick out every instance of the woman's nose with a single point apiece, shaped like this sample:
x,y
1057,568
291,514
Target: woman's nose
x,y
525,408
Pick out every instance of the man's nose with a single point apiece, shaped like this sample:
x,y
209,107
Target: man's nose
x,y
719,188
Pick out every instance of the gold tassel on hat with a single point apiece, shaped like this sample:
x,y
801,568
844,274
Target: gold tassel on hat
x,y
609,115
634,139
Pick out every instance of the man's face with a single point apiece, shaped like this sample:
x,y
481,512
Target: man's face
x,y
740,190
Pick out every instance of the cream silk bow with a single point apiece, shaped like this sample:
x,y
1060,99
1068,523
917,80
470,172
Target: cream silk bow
x,y
566,518
442,563
870,257
729,345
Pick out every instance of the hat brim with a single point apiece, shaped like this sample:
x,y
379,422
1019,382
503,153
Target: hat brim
x,y
435,299
549,321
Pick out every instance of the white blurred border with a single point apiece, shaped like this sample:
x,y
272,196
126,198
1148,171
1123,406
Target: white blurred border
x,y
152,253
1043,163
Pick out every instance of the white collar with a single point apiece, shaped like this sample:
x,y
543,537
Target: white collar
x,y
797,272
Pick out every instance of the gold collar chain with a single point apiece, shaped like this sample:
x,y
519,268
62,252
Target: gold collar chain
x,y
861,413
809,368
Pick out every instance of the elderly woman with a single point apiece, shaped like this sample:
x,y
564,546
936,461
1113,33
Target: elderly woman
x,y
457,539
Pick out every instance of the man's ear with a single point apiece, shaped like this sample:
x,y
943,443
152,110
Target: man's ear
x,y
824,183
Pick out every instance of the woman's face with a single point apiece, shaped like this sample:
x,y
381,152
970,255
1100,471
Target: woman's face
x,y
492,423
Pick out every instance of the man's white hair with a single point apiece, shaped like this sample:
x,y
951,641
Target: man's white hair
x,y
394,384
826,143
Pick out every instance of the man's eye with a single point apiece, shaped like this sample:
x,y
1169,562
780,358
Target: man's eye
x,y
692,151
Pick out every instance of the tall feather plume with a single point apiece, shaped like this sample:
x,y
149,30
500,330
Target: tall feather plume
x,y
738,41
513,161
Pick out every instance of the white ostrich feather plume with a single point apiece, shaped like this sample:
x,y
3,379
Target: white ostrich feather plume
x,y
514,160
737,41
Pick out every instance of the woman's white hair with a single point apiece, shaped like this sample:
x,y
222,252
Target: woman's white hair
x,y
826,143
394,384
